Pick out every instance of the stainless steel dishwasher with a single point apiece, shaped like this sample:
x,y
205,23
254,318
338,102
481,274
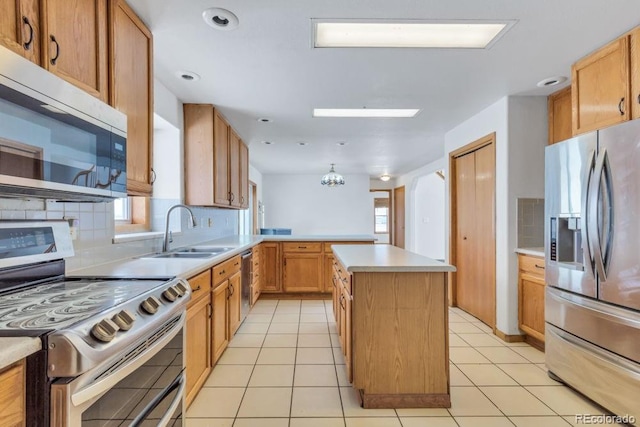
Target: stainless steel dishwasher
x,y
247,278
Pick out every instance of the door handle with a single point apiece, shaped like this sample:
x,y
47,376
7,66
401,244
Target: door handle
x,y
594,223
621,106
55,57
587,248
27,44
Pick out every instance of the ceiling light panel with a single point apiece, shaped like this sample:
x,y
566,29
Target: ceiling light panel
x,y
422,34
365,112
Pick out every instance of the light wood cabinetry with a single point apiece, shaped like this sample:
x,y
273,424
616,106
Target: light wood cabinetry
x,y
302,267
131,90
271,262
531,290
220,321
74,43
329,259
216,160
226,299
20,27
600,87
198,324
13,395
634,49
559,110
257,274
404,313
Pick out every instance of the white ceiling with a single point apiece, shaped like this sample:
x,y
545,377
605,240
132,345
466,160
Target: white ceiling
x,y
267,68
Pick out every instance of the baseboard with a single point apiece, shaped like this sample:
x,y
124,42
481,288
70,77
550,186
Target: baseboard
x,y
301,295
534,342
509,338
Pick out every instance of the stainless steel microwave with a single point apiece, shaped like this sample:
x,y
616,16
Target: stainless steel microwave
x,y
57,141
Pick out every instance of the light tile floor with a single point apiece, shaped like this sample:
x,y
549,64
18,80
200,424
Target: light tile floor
x,y
284,368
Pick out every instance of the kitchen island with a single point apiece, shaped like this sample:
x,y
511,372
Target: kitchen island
x,y
391,311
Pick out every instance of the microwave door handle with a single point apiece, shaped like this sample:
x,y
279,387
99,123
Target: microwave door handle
x,y
178,383
586,242
594,204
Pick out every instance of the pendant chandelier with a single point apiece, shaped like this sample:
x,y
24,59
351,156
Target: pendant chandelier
x,y
332,178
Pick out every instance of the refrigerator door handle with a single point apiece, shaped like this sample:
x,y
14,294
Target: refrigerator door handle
x,y
594,203
607,211
586,242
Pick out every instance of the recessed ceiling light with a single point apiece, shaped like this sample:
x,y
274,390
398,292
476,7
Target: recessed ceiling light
x,y
220,19
267,142
365,112
341,143
189,76
265,120
551,81
474,34
303,143
385,177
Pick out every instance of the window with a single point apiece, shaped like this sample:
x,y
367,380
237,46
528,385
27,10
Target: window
x,y
381,216
132,214
122,210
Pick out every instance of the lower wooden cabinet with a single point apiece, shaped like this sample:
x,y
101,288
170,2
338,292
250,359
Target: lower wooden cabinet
x,y
220,321
234,301
256,280
531,290
197,362
328,272
270,260
302,272
12,395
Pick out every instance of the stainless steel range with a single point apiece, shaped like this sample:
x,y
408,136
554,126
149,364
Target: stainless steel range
x,y
112,348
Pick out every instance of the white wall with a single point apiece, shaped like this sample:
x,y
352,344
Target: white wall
x,y
299,202
520,124
429,226
166,150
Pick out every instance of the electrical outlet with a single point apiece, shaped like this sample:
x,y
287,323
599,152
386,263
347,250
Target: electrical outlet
x,y
210,222
73,227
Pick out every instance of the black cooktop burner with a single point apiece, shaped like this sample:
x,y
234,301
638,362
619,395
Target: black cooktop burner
x,y
60,304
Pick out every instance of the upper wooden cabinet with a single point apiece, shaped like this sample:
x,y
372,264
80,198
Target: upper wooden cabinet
x,y
131,66
634,49
20,27
600,87
74,42
216,160
559,107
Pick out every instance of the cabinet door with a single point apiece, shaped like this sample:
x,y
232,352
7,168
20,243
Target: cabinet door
x,y
634,41
75,42
198,345
271,267
12,395
234,169
335,287
328,273
222,195
346,328
600,87
302,272
220,321
559,108
235,301
199,177
244,176
531,291
131,69
20,27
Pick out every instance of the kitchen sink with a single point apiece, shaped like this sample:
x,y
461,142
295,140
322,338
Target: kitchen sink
x,y
183,255
208,249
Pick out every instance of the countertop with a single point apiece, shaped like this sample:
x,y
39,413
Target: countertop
x,y
531,251
16,348
386,258
188,267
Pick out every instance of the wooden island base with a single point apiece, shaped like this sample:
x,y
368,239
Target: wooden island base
x,y
392,316
397,401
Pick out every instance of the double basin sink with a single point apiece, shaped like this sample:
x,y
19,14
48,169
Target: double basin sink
x,y
193,252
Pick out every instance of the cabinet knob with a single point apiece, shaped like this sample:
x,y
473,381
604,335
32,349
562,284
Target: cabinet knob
x,y
55,57
27,44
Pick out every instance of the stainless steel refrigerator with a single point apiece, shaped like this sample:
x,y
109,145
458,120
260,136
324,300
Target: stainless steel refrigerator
x,y
592,251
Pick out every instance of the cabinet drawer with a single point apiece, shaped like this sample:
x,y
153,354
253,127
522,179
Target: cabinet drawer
x,y
224,270
302,247
200,286
532,265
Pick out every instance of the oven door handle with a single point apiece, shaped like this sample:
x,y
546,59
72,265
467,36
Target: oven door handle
x,y
178,383
96,389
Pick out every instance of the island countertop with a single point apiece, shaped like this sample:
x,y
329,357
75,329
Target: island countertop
x,y
386,258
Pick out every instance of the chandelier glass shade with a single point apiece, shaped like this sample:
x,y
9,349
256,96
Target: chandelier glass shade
x,y
332,179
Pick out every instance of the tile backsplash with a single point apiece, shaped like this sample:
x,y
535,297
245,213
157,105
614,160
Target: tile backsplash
x,y
95,227
530,223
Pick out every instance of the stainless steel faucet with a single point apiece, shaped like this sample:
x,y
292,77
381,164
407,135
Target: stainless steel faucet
x,y
167,234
